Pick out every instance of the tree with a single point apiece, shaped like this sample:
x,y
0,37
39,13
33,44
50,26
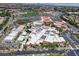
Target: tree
x,y
51,24
7,13
59,29
25,47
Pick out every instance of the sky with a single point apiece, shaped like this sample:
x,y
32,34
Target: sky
x,y
65,4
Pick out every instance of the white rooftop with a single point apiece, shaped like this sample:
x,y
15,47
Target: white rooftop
x,y
24,33
48,34
13,33
49,39
20,38
62,39
9,38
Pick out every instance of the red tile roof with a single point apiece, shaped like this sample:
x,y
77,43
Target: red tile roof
x,y
46,19
60,24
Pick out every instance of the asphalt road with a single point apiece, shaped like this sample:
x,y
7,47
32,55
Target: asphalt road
x,y
31,52
74,29
73,47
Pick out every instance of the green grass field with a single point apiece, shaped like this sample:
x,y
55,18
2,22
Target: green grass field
x,y
23,20
32,13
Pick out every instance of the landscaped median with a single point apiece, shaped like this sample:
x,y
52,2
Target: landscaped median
x,y
56,54
77,35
